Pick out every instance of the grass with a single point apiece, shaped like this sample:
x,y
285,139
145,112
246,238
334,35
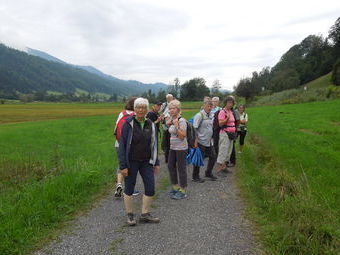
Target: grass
x,y
54,160
48,171
14,113
321,89
289,174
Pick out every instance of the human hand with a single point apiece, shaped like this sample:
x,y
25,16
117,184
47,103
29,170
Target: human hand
x,y
124,172
175,122
156,169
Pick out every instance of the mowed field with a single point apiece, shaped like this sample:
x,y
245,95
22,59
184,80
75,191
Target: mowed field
x,y
55,159
290,176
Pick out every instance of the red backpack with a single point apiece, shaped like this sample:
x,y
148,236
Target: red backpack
x,y
119,126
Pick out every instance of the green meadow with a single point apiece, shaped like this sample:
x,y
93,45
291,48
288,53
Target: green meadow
x,y
55,160
290,177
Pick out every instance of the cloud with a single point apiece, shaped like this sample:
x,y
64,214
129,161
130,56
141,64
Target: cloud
x,y
152,40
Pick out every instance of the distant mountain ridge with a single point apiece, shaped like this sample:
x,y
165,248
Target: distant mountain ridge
x,y
33,70
155,87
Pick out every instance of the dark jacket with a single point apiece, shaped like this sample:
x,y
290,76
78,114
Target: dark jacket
x,y
125,144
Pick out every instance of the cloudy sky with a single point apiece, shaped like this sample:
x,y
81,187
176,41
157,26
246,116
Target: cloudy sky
x,y
158,40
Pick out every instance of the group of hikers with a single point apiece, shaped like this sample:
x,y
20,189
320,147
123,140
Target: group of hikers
x,y
213,131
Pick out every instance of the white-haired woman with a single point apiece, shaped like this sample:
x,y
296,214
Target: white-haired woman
x,y
178,151
138,153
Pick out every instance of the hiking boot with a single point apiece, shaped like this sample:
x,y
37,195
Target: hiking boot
x,y
221,173
135,193
198,180
119,190
148,218
226,171
131,219
230,164
211,177
179,195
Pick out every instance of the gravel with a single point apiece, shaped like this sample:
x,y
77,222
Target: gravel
x,y
209,221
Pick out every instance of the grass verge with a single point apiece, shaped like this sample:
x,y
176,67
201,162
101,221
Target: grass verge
x,y
290,178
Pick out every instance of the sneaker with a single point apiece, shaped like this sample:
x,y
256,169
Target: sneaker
x,y
211,177
119,191
173,192
131,219
179,195
148,218
198,180
136,193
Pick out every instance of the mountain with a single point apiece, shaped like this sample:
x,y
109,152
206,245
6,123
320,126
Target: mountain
x,y
140,87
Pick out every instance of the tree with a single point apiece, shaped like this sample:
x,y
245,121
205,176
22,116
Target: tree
x,y
194,89
334,36
336,73
216,86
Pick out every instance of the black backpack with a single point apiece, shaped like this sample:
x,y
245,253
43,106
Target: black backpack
x,y
191,134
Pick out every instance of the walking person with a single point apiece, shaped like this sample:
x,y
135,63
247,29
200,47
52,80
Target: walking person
x,y
178,150
226,122
138,153
117,132
203,124
242,127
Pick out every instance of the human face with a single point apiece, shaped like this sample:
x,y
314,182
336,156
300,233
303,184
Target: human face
x,y
169,99
141,111
230,104
240,109
216,103
174,111
208,107
157,108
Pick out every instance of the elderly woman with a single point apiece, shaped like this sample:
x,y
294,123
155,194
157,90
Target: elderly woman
x,y
138,153
226,121
216,102
242,127
178,151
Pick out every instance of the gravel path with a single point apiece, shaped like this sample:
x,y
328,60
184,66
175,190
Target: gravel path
x,y
209,221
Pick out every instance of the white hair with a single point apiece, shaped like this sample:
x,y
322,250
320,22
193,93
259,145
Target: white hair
x,y
215,99
169,95
140,101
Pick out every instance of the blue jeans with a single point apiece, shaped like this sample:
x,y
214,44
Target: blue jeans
x,y
146,171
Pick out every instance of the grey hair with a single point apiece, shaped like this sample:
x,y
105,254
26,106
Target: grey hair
x,y
169,95
215,99
208,102
140,101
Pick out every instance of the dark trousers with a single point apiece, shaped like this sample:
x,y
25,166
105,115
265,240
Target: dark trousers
x,y
242,135
166,144
207,152
216,138
146,171
177,165
233,155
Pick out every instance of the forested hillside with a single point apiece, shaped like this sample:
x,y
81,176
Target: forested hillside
x,y
315,56
24,73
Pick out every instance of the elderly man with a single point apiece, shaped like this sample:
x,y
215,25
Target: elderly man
x,y
203,124
138,153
